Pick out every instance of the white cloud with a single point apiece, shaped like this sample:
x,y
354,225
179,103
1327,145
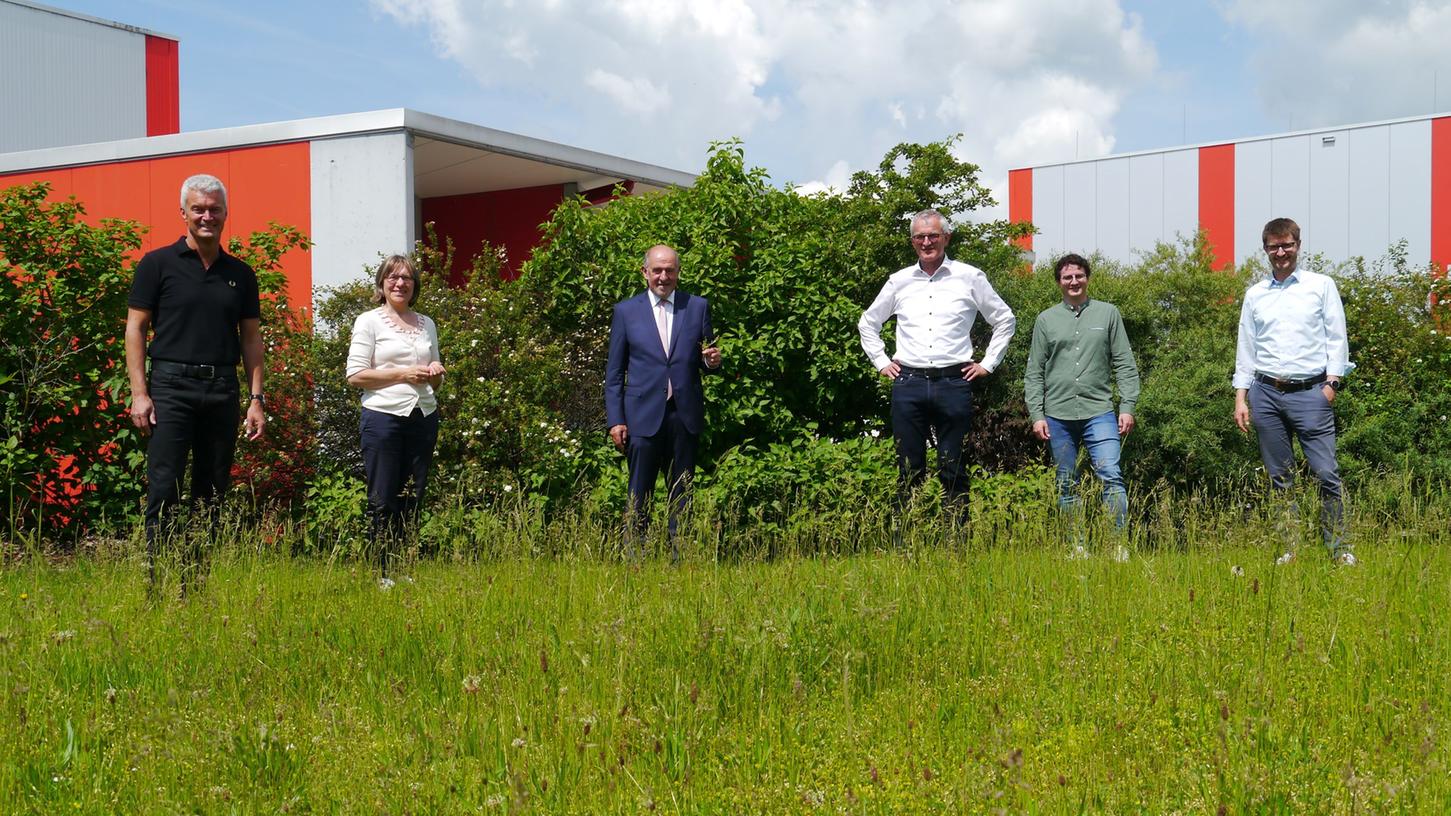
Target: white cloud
x,y
1330,62
838,178
814,86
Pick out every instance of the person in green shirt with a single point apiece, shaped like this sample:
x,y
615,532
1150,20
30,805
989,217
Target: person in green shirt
x,y
1079,349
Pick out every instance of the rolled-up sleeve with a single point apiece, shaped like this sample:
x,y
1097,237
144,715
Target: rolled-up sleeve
x,y
996,312
870,325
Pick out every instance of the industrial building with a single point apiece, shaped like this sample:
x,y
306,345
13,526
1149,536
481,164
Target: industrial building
x,y
1354,190
357,184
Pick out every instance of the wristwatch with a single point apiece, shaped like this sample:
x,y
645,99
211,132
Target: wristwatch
x,y
1335,385
259,398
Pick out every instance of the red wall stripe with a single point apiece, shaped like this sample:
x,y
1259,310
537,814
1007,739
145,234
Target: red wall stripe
x,y
163,87
1020,201
1216,202
1441,193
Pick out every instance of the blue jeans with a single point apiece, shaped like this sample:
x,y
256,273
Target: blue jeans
x,y
1100,436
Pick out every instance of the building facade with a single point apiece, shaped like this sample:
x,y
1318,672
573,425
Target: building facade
x,y
1354,190
71,79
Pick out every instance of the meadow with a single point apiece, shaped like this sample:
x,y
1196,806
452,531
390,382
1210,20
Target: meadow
x,y
960,673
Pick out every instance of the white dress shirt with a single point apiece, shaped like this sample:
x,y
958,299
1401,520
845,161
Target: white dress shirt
x,y
1292,329
669,310
380,343
934,316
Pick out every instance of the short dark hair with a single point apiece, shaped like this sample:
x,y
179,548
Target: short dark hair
x,y
387,268
1071,259
1280,226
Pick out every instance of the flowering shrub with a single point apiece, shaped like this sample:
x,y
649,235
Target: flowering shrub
x,y
67,450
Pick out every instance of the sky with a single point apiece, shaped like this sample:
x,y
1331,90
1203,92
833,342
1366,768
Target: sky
x,y
817,89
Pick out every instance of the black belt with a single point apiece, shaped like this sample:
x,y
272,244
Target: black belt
x,y
935,373
1290,386
201,371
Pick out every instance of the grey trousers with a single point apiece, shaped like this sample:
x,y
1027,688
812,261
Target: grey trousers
x,y
1306,415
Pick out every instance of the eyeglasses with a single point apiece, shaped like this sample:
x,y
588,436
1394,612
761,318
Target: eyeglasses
x,y
395,278
1275,249
926,237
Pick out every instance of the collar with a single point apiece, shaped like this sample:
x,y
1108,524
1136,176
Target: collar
x,y
1293,277
655,299
181,247
944,268
1080,309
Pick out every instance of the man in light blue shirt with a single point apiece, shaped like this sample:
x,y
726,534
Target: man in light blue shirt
x,y
1289,364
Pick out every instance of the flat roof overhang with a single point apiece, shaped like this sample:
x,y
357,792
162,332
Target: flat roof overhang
x,y
450,157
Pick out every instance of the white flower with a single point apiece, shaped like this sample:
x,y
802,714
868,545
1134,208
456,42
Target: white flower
x,y
1236,570
518,742
508,488
876,432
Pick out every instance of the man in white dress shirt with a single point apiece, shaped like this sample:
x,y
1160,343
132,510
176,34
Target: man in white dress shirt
x,y
935,301
1289,364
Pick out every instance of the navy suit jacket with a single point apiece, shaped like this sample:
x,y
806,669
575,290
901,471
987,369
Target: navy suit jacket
x,y
635,377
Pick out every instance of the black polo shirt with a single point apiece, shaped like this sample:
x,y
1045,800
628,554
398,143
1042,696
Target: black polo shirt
x,y
195,312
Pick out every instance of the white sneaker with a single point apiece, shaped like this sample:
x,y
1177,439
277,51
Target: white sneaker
x,y
1346,559
1078,553
385,584
1285,559
1121,554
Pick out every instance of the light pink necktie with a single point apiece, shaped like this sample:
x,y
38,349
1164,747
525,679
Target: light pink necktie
x,y
662,322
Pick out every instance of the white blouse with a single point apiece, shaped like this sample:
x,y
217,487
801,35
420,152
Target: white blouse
x,y
381,342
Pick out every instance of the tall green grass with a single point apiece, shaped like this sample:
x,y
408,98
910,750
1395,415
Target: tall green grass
x,y
521,669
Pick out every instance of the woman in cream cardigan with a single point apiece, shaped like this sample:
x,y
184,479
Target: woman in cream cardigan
x,y
394,359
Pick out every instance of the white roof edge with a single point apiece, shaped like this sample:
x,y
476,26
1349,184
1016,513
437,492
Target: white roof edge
x,y
528,147
350,124
89,19
1220,142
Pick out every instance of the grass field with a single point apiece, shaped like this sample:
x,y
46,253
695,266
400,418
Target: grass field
x,y
1001,678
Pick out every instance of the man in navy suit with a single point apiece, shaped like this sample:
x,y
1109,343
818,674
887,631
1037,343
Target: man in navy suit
x,y
660,343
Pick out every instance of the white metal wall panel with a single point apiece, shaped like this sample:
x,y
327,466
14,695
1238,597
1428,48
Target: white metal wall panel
x,y
1181,195
66,81
1409,201
1111,236
1253,201
1290,188
1080,224
362,204
1048,212
1146,203
1368,195
1326,229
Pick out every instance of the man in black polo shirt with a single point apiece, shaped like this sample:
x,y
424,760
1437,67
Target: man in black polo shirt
x,y
201,307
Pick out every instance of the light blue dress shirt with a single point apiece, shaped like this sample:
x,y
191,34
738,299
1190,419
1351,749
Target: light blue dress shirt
x,y
1291,329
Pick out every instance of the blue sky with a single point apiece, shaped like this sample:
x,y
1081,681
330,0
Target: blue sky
x,y
817,88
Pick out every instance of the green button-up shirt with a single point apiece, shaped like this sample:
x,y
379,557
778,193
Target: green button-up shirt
x,y
1076,355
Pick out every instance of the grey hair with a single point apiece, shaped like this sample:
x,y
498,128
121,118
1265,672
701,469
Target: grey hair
x,y
931,213
204,184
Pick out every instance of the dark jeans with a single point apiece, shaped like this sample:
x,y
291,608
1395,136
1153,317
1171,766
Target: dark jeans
x,y
1278,417
671,450
195,417
397,454
932,407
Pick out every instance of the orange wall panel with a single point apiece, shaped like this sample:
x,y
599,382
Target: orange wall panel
x,y
1020,201
271,183
1216,201
1441,192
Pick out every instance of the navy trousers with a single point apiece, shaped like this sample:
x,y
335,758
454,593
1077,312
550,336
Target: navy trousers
x,y
932,407
1279,418
397,455
670,450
